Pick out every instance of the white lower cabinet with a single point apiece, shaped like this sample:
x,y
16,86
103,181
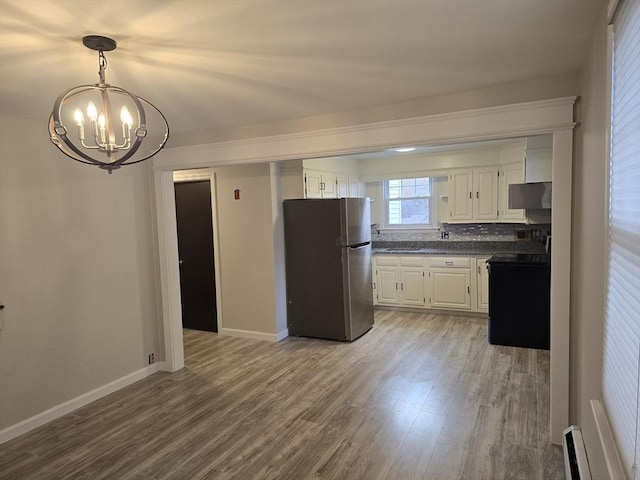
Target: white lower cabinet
x,y
412,286
482,285
441,282
450,283
385,285
399,280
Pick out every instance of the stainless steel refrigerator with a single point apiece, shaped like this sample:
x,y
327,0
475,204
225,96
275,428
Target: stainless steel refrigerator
x,y
328,267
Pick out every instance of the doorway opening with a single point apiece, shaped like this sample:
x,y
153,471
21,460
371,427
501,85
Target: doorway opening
x,y
195,221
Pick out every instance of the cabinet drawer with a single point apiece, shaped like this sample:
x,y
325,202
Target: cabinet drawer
x,y
412,261
451,262
387,260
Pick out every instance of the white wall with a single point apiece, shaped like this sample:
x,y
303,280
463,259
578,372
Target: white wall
x,y
430,164
78,270
247,249
344,165
77,273
502,94
589,246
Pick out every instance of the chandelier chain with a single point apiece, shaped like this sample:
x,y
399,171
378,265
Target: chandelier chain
x,y
102,63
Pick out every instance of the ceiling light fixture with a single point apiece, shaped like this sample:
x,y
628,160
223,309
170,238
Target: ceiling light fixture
x,y
404,149
101,139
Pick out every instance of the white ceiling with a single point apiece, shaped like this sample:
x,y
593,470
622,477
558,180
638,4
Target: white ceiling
x,y
211,64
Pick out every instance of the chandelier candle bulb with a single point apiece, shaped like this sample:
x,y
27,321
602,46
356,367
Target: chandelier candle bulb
x,y
79,118
92,111
102,123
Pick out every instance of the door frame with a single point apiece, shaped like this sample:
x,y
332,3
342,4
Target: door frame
x,y
172,334
553,116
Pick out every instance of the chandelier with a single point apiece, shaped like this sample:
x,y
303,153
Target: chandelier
x,y
104,125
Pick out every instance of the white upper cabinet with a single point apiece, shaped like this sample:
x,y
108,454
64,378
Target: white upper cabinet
x,y
485,195
320,184
355,187
512,173
312,184
460,196
342,183
473,195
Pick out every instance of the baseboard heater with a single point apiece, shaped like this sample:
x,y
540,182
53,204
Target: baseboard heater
x,y
576,463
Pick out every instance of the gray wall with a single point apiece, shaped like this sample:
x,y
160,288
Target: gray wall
x,y
77,273
503,94
589,245
247,250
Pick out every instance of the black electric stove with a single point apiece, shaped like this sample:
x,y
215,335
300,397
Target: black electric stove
x,y
519,299
527,258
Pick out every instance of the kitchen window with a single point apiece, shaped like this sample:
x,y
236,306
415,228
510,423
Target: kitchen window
x,y
408,202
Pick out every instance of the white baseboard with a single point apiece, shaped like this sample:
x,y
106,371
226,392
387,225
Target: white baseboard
x,y
270,337
69,406
282,334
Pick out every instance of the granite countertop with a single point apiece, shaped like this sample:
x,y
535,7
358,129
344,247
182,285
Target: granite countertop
x,y
455,247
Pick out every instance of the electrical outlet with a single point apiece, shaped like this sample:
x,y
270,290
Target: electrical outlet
x,y
151,358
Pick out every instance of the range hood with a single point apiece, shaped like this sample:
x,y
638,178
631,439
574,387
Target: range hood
x,y
530,195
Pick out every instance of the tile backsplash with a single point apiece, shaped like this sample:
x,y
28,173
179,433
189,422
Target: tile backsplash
x,y
468,232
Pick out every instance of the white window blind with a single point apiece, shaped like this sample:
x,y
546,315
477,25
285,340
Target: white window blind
x,y
621,355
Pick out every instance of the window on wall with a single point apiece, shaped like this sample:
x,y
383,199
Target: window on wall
x,y
621,351
408,202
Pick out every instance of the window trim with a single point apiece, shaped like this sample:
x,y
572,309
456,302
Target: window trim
x,y
433,211
608,437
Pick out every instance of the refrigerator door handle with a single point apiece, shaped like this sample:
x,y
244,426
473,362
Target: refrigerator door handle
x,y
359,245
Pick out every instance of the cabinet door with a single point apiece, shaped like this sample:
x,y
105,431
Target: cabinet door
x,y
485,195
329,186
482,284
512,173
412,286
460,192
312,184
342,186
354,187
387,285
450,288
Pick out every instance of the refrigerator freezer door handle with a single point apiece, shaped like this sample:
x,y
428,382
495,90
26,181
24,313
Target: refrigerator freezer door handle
x,y
359,245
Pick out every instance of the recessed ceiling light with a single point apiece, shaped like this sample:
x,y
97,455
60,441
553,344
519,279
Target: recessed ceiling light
x,y
404,149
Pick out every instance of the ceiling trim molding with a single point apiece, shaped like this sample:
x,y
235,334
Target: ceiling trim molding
x,y
544,116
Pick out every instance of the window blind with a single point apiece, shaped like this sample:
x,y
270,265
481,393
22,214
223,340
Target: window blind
x,y
621,353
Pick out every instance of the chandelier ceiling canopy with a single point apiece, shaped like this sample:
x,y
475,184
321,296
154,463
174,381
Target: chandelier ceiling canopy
x,y
105,125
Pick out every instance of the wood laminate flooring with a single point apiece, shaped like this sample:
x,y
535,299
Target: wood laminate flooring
x,y
420,396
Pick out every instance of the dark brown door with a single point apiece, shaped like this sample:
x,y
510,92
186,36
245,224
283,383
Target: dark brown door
x,y
195,248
